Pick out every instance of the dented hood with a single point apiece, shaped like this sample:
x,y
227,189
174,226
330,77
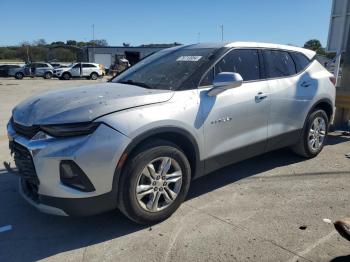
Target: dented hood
x,y
85,103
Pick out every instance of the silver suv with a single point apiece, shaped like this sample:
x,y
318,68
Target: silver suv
x,y
44,70
135,143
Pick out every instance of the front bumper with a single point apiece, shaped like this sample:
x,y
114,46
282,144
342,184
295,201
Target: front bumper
x,y
96,154
57,74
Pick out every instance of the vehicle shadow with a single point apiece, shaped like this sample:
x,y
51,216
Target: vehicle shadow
x,y
337,138
35,235
341,259
241,170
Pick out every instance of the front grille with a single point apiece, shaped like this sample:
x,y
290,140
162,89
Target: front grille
x,y
26,131
26,170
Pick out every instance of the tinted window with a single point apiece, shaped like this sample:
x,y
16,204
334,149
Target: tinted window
x,y
278,63
88,65
208,78
76,66
244,61
300,60
38,65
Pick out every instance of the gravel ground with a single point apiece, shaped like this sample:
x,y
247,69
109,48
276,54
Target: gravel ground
x,y
269,208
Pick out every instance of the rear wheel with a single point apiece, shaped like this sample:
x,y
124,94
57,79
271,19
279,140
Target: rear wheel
x,y
314,135
19,75
154,183
48,75
93,76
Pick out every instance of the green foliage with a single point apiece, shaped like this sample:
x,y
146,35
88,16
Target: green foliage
x,y
315,45
71,42
39,50
101,42
62,54
57,43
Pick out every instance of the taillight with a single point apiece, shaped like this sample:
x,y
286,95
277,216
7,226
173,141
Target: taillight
x,y
333,80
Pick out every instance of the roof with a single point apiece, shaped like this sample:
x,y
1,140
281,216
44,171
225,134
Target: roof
x,y
309,53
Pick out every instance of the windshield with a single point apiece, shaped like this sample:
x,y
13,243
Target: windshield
x,y
171,69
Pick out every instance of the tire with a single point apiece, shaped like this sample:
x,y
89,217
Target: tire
x,y
93,76
134,176
48,75
19,75
305,147
66,76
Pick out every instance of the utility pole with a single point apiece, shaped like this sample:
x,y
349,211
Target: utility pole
x,y
222,33
93,42
27,49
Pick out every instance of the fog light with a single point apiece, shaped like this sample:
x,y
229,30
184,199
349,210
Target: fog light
x,y
71,175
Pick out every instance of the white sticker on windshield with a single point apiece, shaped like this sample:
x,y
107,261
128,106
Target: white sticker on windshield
x,y
189,58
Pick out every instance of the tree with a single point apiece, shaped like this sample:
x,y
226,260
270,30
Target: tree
x,y
62,54
81,44
57,43
71,42
315,45
40,42
98,42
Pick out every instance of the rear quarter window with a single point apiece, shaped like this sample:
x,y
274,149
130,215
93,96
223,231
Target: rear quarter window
x,y
88,65
301,61
278,64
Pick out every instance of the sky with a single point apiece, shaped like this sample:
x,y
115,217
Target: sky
x,y
185,21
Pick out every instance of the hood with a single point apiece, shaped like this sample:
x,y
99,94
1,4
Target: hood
x,y
85,103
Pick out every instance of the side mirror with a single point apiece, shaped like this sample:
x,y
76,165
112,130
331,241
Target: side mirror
x,y
224,81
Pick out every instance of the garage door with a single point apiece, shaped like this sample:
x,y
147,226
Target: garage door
x,y
104,59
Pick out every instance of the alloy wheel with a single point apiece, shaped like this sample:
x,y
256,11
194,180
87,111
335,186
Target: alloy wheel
x,y
159,184
317,134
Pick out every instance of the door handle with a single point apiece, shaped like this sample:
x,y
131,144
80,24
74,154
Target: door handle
x,y
305,84
260,96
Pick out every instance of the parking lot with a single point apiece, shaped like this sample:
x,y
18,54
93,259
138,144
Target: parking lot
x,y
270,208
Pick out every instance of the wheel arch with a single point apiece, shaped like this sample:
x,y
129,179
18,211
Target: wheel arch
x,y
326,105
180,137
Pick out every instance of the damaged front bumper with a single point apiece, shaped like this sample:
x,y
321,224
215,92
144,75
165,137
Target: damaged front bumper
x,y
38,163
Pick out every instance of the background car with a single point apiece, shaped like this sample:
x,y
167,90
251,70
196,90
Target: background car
x,y
4,69
60,65
33,69
79,70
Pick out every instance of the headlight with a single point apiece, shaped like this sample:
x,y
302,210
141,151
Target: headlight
x,y
79,129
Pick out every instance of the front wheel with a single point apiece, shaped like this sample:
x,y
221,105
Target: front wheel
x,y
66,76
154,183
19,75
314,135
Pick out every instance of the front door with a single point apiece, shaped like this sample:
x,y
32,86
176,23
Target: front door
x,y
236,121
76,70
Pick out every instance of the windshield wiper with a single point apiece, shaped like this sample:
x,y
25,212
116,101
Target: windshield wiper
x,y
131,82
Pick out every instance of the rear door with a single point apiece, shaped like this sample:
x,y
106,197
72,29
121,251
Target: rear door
x,y
88,69
288,101
41,68
235,121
